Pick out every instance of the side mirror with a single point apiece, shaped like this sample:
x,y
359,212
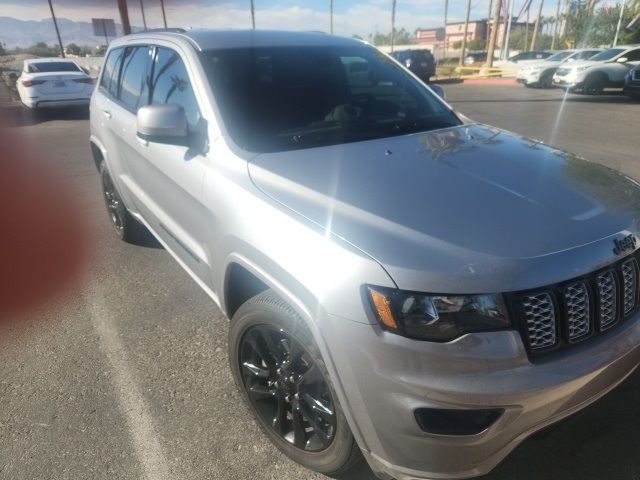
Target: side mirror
x,y
163,124
622,60
438,90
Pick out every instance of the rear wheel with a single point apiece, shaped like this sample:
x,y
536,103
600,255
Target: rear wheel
x,y
594,84
124,224
281,375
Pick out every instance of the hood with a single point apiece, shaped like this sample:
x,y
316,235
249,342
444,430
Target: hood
x,y
468,209
580,64
540,63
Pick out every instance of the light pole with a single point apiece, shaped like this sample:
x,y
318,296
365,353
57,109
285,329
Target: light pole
x,y
55,24
144,20
615,38
466,31
393,23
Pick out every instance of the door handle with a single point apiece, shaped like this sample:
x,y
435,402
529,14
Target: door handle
x,y
106,113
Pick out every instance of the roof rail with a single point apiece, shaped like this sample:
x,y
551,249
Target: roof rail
x,y
166,30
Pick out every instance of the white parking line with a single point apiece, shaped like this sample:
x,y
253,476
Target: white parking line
x,y
131,401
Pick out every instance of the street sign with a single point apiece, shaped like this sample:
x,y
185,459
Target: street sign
x,y
103,27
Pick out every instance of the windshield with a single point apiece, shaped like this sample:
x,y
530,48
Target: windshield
x,y
285,98
46,67
607,54
559,56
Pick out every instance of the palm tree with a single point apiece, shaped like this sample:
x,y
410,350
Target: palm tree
x,y
393,22
253,14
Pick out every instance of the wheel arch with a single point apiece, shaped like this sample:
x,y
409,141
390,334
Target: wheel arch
x,y
98,153
244,278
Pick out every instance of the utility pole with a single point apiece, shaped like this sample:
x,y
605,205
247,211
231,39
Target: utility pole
x,y
615,38
253,14
526,27
494,35
393,23
144,20
164,15
506,42
55,24
489,22
555,27
466,30
331,17
504,28
446,13
124,16
536,27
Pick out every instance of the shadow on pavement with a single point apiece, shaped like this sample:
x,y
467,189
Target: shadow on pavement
x,y
18,116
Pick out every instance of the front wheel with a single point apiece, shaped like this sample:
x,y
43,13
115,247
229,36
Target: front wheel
x,y
546,80
284,381
594,84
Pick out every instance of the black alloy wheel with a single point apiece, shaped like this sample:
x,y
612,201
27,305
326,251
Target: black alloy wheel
x,y
286,388
282,377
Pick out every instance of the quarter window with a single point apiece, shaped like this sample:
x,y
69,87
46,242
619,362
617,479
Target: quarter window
x,y
133,84
170,84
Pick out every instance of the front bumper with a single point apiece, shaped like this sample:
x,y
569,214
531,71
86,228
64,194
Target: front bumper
x,y
528,78
632,89
385,378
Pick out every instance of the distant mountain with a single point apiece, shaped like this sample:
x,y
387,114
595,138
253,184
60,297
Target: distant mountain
x,y
23,33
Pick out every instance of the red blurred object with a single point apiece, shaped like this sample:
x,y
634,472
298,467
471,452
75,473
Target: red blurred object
x,y
42,242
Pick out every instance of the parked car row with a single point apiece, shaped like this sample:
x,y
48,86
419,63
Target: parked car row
x,y
587,71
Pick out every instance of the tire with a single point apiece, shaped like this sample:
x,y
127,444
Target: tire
x,y
125,225
546,80
267,334
594,84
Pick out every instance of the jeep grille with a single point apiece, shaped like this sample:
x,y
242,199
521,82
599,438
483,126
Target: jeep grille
x,y
557,316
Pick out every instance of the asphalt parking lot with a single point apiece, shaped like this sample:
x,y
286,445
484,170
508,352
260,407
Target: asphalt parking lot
x,y
127,377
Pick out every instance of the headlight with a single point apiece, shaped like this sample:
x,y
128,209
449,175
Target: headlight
x,y
582,69
438,318
408,62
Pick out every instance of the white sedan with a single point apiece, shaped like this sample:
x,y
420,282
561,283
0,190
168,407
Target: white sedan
x,y
53,82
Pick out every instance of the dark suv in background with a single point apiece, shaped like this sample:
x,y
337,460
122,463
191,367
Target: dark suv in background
x,y
632,83
420,62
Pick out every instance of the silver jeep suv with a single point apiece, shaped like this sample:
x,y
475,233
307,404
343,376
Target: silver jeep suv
x,y
402,283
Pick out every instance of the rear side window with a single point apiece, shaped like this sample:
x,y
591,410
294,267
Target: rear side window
x,y
133,80
110,72
170,84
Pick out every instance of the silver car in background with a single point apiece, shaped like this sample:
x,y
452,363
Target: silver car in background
x,y
402,284
540,74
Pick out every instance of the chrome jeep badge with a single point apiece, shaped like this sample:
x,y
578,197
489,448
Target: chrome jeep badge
x,y
627,243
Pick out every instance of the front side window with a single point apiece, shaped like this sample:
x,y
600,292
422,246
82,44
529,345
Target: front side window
x,y
133,83
111,71
286,98
557,57
633,55
170,84
607,54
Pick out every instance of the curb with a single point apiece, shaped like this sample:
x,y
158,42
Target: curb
x,y
491,81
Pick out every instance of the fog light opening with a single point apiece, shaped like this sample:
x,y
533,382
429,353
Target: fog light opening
x,y
456,422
